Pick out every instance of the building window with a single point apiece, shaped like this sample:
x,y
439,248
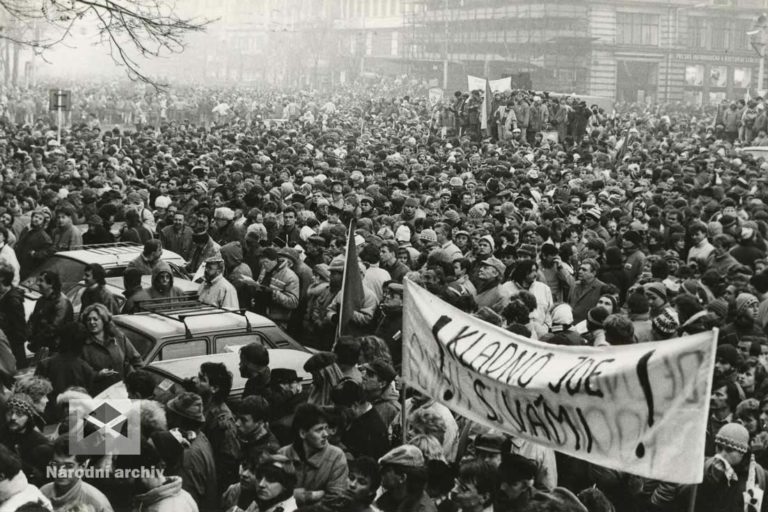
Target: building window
x,y
718,76
718,34
637,28
742,78
694,75
394,44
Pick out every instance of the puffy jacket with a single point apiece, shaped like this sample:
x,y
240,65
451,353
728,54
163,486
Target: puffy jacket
x,y
169,497
284,286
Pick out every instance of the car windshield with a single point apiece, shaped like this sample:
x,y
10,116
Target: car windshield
x,y
70,271
141,343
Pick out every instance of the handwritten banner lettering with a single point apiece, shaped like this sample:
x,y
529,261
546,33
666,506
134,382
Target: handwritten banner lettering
x,y
640,408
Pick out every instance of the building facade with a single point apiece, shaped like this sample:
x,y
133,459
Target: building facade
x,y
631,50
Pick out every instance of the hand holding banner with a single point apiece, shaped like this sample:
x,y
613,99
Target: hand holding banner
x,y
639,408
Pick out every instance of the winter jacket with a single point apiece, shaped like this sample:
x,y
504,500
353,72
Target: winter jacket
x,y
179,242
221,431
17,491
169,497
198,472
115,353
326,470
99,295
8,255
362,318
218,293
154,291
32,447
13,322
33,247
65,239
80,493
65,371
282,296
49,314
539,117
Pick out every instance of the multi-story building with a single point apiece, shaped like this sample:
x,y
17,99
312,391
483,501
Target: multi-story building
x,y
633,50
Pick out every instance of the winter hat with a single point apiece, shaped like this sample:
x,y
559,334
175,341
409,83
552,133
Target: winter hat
x,y
428,235
733,436
666,323
729,354
489,239
562,315
597,316
405,455
637,304
403,234
745,301
718,307
188,406
727,221
657,288
22,403
318,361
633,237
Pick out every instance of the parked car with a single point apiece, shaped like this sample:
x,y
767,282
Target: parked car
x,y
115,286
171,329
70,265
170,374
756,151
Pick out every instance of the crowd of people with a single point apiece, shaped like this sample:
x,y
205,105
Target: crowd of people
x,y
560,222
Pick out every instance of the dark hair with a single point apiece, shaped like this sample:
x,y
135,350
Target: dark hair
x,y
347,350
733,396
660,269
463,263
514,468
517,312
255,353
348,393
522,269
140,383
481,473
548,249
98,273
6,273
10,464
132,278
152,246
306,417
255,406
687,305
613,256
72,336
218,375
52,278
368,468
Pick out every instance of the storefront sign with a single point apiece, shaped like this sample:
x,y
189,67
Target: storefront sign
x,y
719,58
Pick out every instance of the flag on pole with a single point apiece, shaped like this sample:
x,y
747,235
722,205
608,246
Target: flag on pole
x,y
352,296
486,111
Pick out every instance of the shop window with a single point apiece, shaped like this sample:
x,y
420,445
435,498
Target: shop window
x,y
742,78
637,28
718,76
694,75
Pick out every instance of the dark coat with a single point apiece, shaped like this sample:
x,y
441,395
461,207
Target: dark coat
x,y
13,323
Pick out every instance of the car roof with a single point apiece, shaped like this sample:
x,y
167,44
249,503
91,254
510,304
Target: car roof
x,y
185,285
114,255
197,319
188,367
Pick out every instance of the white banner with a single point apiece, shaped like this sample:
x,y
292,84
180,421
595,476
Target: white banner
x,y
500,85
435,96
639,408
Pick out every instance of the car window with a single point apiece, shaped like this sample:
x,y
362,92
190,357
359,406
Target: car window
x,y
69,270
143,344
278,338
180,349
233,343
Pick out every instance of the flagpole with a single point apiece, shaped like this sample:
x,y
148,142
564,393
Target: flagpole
x,y
343,282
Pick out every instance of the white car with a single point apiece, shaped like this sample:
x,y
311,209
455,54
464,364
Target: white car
x,y
70,265
170,374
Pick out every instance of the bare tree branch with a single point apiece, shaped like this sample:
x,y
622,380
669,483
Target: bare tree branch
x,y
131,28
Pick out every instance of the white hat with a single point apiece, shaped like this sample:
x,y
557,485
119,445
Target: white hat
x,y
403,234
162,202
224,213
562,315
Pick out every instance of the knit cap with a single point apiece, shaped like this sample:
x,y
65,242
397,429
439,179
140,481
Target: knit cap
x,y
733,436
489,239
667,322
719,307
428,235
403,234
744,301
657,288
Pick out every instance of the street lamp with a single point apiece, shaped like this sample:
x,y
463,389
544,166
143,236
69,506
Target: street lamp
x,y
758,38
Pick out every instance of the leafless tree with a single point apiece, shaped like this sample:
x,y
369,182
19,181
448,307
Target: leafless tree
x,y
133,29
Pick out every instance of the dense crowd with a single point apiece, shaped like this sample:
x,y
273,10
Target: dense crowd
x,y
553,219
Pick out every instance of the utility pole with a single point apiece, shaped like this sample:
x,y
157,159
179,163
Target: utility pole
x,y
445,45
